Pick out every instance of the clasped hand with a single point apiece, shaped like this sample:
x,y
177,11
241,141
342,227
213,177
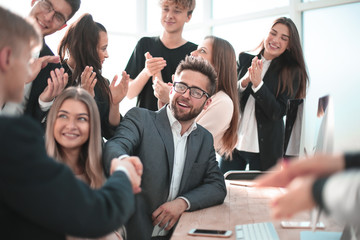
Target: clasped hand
x,y
134,167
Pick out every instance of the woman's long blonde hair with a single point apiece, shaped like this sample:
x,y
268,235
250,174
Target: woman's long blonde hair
x,y
91,152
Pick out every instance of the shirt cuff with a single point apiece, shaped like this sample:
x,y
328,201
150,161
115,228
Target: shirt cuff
x,y
352,160
240,86
187,201
122,168
123,156
317,192
45,106
258,87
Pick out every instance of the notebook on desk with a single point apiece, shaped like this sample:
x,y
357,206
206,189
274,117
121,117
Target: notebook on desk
x,y
256,231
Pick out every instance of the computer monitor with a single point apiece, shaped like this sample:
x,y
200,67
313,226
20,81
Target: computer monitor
x,y
293,127
324,135
325,126
324,141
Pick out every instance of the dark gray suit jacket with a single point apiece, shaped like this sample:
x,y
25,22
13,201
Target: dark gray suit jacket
x,y
147,134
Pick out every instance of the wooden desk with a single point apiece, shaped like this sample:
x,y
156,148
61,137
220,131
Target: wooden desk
x,y
242,205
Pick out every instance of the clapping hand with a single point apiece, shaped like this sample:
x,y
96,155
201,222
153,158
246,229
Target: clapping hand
x,y
154,65
161,91
56,84
40,63
255,71
120,90
88,80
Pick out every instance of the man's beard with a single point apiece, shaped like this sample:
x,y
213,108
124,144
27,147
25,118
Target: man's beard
x,y
194,112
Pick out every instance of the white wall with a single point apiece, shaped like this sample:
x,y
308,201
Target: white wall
x,y
331,48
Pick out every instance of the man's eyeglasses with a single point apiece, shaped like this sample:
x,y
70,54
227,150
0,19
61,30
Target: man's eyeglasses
x,y
195,92
47,7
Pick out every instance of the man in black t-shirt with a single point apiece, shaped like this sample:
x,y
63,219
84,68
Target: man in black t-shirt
x,y
159,56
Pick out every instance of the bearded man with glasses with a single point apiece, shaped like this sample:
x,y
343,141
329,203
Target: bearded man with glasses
x,y
50,16
180,170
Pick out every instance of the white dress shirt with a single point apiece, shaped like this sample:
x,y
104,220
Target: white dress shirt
x,y
180,149
248,134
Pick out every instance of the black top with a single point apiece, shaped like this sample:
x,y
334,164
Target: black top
x,y
41,198
156,48
38,85
107,130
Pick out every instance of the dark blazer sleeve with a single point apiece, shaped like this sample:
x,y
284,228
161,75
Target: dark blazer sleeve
x,y
38,85
126,139
352,160
46,193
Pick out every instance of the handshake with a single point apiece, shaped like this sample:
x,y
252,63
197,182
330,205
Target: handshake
x,y
134,169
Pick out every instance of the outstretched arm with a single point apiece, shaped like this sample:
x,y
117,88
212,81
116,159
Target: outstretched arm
x,y
318,165
87,213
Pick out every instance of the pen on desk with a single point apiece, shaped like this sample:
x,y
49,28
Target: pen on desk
x,y
316,220
240,184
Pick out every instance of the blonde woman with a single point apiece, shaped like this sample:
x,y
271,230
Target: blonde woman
x,y
73,137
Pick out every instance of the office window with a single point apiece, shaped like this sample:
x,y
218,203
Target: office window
x,y
230,8
120,24
116,16
242,23
331,48
154,15
245,35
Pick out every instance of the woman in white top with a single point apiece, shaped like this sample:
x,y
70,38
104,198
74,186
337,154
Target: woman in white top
x,y
221,118
73,136
267,81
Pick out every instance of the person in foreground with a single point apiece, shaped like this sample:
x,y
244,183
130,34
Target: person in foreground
x,y
180,169
159,56
39,197
329,181
73,136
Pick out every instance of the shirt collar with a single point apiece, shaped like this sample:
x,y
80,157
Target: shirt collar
x,y
175,124
265,60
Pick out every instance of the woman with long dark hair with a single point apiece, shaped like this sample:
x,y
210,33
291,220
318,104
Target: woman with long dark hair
x,y
267,81
82,52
